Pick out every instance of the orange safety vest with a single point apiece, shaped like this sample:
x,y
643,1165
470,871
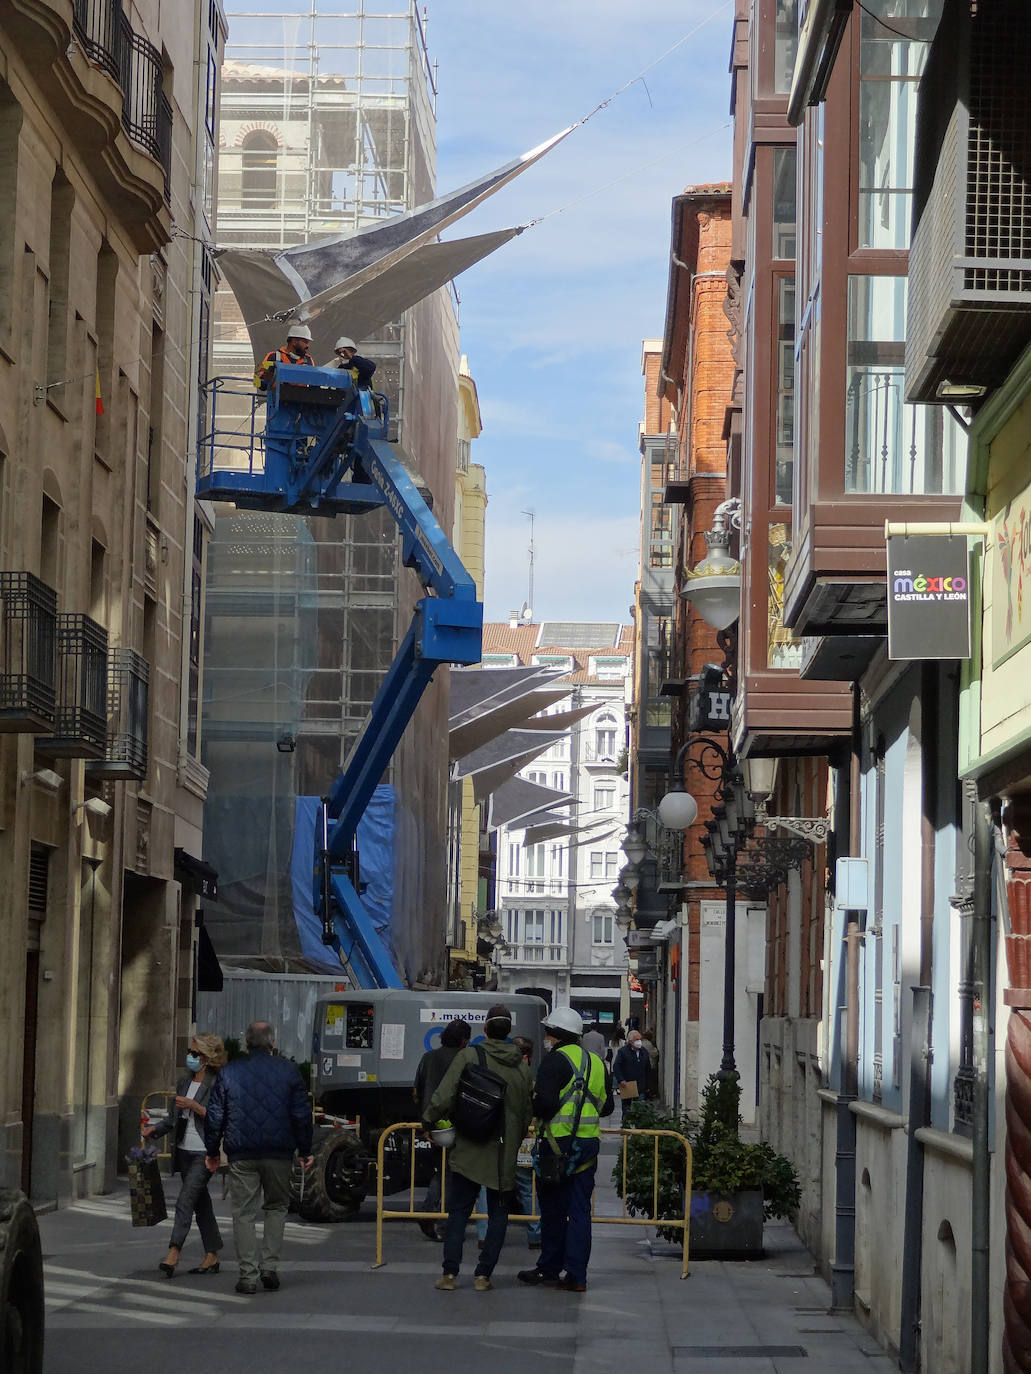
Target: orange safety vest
x,y
278,355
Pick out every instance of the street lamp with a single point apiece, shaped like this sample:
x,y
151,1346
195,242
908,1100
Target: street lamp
x,y
713,586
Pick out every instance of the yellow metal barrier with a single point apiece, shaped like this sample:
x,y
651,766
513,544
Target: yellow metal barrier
x,y
414,1128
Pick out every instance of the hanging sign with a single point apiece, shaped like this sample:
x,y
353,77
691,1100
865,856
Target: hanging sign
x,y
928,596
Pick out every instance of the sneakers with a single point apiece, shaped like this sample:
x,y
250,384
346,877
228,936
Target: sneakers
x,y
270,1281
534,1276
429,1230
571,1285
482,1283
246,1286
446,1283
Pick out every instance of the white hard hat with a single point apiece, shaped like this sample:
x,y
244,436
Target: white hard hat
x,y
344,342
444,1136
299,331
564,1019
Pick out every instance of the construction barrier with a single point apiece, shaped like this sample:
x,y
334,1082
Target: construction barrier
x,y
414,1129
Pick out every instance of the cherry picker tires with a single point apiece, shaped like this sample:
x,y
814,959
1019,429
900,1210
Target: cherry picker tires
x,y
335,1186
21,1286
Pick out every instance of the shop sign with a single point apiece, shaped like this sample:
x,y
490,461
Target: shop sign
x,y
1009,566
928,596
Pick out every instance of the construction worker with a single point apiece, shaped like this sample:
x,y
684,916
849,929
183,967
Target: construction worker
x,y
348,358
572,1092
295,350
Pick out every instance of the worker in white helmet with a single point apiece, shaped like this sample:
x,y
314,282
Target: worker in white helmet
x,y
350,360
296,350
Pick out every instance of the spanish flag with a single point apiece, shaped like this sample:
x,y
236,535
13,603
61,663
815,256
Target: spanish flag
x,y
100,403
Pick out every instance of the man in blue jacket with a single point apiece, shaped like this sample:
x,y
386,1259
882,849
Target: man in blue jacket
x,y
259,1113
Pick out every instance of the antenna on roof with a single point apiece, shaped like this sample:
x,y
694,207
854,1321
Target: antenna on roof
x,y
527,611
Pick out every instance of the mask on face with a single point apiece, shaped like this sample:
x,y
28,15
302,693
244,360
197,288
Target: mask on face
x,y
550,1042
193,1062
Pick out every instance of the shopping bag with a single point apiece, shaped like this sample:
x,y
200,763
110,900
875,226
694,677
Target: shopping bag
x,y
628,1090
146,1191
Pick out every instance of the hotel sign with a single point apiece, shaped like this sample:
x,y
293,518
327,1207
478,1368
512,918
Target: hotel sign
x,y
1008,556
928,596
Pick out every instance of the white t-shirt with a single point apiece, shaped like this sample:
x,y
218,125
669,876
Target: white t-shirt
x,y
192,1140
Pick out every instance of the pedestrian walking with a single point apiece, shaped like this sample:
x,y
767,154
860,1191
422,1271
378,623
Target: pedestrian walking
x,y
593,1041
616,1040
428,1076
490,1164
630,1068
185,1122
572,1092
648,1040
260,1114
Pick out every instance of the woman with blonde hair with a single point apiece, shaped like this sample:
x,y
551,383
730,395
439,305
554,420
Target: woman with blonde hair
x,y
206,1056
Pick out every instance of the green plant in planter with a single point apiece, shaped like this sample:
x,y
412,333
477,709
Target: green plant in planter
x,y
721,1162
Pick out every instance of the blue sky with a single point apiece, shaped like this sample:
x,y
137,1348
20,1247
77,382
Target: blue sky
x,y
552,324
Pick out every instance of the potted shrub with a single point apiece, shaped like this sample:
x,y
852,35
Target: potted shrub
x,y
734,1185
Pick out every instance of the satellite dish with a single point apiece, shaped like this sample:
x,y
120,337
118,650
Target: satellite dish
x,y
525,613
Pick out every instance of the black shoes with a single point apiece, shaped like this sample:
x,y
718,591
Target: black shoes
x,y
429,1230
571,1285
270,1281
246,1286
167,1269
534,1276
207,1268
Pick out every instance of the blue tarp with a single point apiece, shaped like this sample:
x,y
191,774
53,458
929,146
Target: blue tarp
x,y
376,851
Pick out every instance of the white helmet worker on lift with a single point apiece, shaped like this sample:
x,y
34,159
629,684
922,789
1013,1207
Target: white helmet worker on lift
x,y
573,1091
350,360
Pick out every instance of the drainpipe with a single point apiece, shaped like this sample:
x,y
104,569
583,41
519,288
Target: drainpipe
x,y
920,1033
843,1270
980,1184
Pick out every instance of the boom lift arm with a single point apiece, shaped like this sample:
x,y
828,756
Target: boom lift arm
x,y
325,450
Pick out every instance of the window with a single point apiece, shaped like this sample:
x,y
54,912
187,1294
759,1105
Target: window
x,y
660,535
514,851
597,861
558,781
535,861
785,43
611,865
785,362
601,933
605,737
605,796
890,446
785,164
258,173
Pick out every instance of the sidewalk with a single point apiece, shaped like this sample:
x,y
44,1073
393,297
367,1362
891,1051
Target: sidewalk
x,y
108,1309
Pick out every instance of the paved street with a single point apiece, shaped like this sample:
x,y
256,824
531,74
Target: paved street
x,y
109,1309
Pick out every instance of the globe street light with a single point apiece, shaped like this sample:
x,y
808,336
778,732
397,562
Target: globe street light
x,y
713,586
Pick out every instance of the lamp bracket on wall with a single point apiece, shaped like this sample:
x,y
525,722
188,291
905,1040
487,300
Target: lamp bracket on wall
x,y
814,828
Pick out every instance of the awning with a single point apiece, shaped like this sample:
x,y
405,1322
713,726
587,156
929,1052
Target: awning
x,y
198,875
500,759
485,702
517,799
209,970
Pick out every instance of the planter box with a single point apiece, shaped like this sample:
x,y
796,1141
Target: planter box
x,y
729,1228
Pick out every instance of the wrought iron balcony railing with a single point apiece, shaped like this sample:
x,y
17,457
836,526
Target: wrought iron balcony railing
x,y
109,40
128,687
28,654
80,727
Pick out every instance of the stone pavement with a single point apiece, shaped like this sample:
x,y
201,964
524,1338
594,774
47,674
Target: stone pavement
x,y
108,1308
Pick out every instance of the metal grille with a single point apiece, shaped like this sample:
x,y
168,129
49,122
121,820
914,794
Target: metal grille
x,y
128,678
28,640
39,871
998,222
97,25
80,728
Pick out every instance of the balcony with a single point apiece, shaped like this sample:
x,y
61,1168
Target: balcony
x,y
28,654
80,725
104,82
125,756
532,954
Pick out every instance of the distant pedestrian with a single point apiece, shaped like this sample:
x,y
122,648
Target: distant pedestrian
x,y
593,1041
648,1040
630,1069
616,1040
185,1122
491,1164
428,1076
259,1112
572,1092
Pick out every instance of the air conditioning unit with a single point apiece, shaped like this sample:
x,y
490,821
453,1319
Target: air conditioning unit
x,y
969,312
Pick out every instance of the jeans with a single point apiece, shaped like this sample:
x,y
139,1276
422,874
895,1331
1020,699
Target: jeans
x,y
462,1193
524,1188
566,1224
253,1182
194,1198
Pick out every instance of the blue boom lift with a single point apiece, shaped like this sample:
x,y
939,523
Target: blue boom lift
x,y
323,450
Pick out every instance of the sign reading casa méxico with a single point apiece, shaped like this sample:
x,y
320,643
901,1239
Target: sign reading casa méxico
x,y
928,596
1009,565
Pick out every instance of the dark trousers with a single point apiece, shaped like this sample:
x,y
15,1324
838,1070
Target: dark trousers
x,y
462,1193
566,1225
194,1200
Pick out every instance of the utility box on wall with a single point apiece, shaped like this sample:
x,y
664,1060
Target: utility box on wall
x,y
852,884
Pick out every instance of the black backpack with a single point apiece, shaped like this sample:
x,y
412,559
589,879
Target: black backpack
x,y
479,1108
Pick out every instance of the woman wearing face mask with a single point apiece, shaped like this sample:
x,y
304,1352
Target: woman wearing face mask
x,y
206,1056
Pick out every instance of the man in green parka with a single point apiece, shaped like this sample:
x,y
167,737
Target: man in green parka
x,y
490,1165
